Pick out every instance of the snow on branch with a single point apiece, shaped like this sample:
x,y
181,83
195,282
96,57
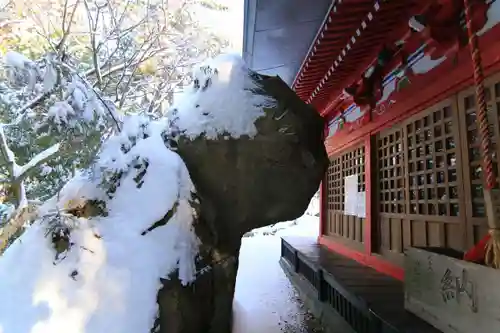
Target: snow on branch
x,y
17,60
16,172
37,160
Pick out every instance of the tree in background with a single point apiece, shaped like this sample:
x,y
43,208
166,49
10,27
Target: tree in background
x,y
77,67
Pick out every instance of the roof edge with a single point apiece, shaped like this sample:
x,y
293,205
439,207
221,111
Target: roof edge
x,y
314,41
249,17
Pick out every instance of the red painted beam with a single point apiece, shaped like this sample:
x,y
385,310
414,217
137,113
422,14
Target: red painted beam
x,y
446,80
374,24
372,261
321,210
363,52
368,190
322,193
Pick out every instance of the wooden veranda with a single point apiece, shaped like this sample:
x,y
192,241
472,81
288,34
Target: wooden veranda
x,y
339,287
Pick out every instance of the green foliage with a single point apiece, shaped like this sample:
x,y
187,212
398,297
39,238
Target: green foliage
x,y
136,53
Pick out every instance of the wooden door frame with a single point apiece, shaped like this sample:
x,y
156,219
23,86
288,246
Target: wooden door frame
x,y
470,219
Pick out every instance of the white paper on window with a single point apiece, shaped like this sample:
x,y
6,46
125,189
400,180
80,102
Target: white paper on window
x,y
350,194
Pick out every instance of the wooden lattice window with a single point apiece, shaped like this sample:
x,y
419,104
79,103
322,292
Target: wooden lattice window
x,y
432,164
473,145
391,172
334,185
353,163
340,220
347,164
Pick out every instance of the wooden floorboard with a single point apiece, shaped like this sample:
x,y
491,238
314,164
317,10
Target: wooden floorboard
x,y
383,294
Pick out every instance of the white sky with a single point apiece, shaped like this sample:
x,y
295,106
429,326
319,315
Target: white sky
x,y
227,24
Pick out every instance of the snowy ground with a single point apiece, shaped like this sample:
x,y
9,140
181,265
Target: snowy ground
x,y
265,301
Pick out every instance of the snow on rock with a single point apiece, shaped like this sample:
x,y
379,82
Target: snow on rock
x,y
221,100
108,276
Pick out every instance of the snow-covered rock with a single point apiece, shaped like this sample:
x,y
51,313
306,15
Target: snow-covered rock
x,y
102,273
221,100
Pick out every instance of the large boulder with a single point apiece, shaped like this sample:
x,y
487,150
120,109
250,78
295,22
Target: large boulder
x,y
249,182
257,166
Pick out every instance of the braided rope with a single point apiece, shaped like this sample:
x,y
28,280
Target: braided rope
x,y
492,254
492,249
482,115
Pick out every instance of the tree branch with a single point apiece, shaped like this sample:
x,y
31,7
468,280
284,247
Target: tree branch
x,y
12,168
38,159
67,31
95,52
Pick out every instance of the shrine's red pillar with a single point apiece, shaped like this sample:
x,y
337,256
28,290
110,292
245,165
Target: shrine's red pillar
x,y
368,194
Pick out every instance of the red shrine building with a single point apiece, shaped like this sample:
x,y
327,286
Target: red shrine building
x,y
396,84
